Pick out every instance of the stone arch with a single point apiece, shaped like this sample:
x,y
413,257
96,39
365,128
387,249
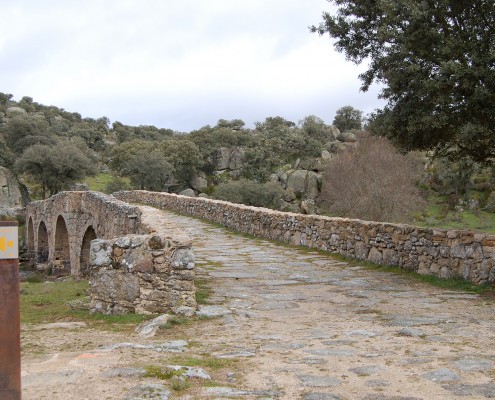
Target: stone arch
x,y
89,235
30,238
43,249
61,254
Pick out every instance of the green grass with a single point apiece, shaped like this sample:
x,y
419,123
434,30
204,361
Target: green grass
x,y
153,371
203,291
175,321
48,302
99,182
205,361
437,215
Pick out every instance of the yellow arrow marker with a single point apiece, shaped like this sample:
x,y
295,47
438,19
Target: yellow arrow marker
x,y
2,244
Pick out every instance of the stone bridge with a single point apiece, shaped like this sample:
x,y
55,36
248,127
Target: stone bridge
x,y
59,230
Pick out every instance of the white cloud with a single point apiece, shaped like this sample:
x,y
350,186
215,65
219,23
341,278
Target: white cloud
x,y
177,64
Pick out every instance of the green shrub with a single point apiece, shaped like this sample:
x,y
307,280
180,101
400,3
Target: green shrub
x,y
250,193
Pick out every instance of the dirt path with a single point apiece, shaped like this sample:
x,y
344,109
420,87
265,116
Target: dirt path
x,y
292,324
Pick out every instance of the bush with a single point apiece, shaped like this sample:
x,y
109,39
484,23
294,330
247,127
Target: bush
x,y
250,193
372,182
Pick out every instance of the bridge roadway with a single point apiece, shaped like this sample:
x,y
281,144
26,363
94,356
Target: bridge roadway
x,y
313,327
300,325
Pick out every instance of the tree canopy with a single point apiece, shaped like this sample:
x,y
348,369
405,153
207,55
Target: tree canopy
x,y
348,118
436,59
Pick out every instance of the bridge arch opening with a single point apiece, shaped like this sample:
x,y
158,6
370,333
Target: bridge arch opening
x,y
61,256
42,253
30,239
89,235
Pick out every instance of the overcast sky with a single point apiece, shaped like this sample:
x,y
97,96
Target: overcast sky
x,y
177,64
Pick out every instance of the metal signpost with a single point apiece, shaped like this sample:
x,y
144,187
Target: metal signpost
x,y
10,330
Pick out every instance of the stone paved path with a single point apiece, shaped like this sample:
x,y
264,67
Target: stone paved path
x,y
316,328
298,325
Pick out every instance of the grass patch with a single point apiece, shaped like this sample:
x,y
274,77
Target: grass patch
x,y
153,371
49,302
179,384
99,182
175,321
203,291
438,215
207,362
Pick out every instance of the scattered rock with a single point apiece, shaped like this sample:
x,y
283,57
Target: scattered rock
x,y
321,396
487,390
123,372
148,392
441,375
410,332
231,392
473,365
318,381
57,378
191,372
367,370
149,328
212,311
188,193
59,325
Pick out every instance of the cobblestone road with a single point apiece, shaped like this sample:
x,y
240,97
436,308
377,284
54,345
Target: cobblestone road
x,y
294,323
317,328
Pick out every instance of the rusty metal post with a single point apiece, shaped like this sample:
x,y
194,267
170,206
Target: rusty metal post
x,y
10,331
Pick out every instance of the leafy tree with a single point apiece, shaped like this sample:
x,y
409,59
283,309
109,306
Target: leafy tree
x,y
272,124
54,168
348,118
235,124
437,62
150,171
185,157
124,152
23,131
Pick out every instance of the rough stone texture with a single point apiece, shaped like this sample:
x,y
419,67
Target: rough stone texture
x,y
443,253
145,274
227,158
10,192
303,183
107,216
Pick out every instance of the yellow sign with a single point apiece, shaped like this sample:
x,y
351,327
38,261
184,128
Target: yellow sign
x,y
9,242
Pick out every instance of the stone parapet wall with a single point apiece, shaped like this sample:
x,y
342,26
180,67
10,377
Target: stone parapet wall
x,y
443,253
142,274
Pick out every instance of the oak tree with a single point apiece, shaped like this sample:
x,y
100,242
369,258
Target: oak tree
x,y
436,60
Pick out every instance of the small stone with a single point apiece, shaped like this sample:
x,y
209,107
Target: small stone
x,y
367,370
410,332
318,381
148,329
148,392
442,375
473,365
212,311
123,372
321,396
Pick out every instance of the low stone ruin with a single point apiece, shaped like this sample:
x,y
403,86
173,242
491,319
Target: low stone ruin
x,y
142,274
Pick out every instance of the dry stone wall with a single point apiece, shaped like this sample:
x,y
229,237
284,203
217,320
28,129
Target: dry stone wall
x,y
142,274
443,253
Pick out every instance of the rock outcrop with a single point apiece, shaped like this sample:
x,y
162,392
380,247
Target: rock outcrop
x,y
12,193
